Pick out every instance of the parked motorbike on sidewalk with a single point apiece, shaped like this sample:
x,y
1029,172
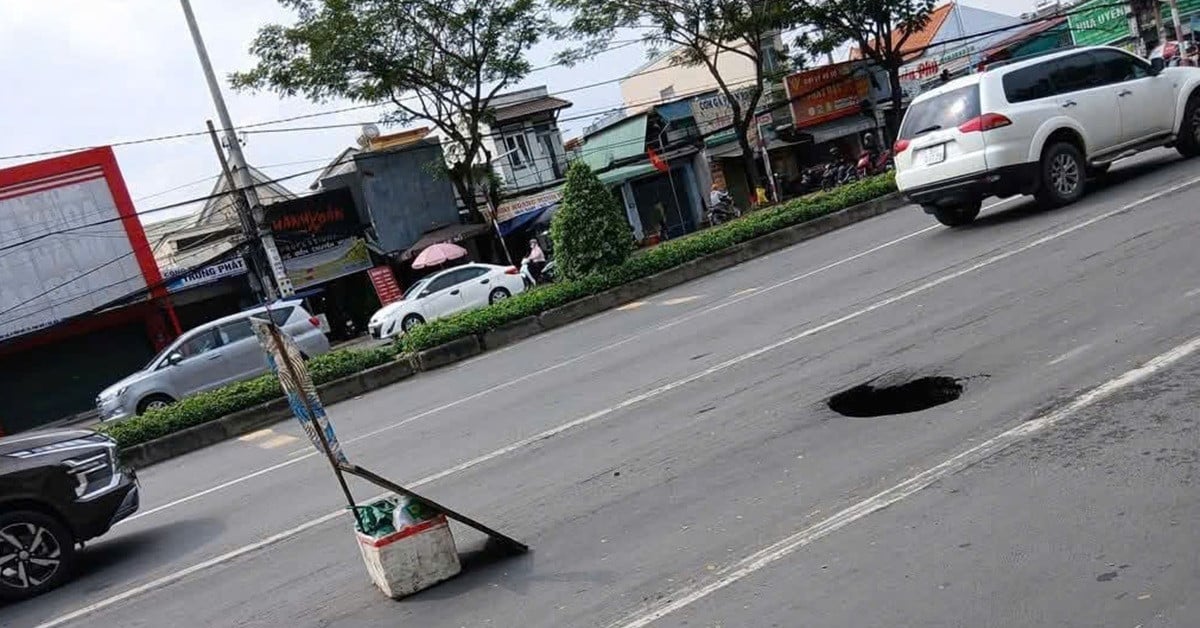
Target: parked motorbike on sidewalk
x,y
871,163
723,211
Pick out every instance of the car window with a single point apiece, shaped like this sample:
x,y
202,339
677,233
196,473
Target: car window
x,y
1029,83
1074,73
473,272
944,111
450,278
1118,67
280,316
415,289
235,331
200,344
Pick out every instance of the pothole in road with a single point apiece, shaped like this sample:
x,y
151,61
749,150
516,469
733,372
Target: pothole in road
x,y
875,398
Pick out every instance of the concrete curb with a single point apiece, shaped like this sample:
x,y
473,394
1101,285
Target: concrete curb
x,y
258,417
449,353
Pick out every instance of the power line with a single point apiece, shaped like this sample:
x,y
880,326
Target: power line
x,y
498,134
317,114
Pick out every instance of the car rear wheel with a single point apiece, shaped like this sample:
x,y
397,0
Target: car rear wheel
x,y
1063,175
411,321
37,553
498,295
154,402
959,215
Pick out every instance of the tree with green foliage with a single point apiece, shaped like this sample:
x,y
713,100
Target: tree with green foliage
x,y
438,61
589,230
697,33
879,29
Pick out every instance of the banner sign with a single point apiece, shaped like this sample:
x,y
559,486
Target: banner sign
x,y
317,260
385,284
205,275
713,114
827,93
515,207
1099,22
286,362
329,213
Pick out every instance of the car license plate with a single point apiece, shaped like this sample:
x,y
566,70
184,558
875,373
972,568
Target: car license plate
x,y
933,155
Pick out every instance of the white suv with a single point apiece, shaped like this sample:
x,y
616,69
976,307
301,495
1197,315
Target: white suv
x,y
1040,126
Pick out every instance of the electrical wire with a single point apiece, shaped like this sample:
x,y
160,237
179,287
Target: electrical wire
x,y
640,140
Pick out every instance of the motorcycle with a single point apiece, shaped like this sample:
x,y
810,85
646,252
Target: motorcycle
x,y
871,163
527,275
722,211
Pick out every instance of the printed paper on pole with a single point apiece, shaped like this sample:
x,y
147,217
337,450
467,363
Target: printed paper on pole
x,y
281,355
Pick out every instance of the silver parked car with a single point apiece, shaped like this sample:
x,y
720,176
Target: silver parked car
x,y
221,352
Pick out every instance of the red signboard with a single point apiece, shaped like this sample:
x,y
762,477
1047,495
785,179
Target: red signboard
x,y
385,284
827,93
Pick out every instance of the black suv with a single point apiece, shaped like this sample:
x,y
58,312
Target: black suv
x,y
57,490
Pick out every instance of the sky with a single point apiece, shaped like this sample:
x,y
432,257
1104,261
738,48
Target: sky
x,y
82,73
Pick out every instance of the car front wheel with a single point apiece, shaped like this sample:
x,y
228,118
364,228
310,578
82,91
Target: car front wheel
x,y
153,402
37,553
1064,175
1188,143
411,321
959,215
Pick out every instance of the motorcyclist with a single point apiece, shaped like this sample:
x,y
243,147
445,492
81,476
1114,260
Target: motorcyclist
x,y
536,259
719,196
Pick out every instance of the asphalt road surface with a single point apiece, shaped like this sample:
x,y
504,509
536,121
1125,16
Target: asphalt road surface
x,y
674,462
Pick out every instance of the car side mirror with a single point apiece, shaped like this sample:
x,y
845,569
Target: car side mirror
x,y
423,295
175,358
1156,65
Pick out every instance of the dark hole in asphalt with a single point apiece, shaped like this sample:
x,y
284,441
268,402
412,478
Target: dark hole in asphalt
x,y
871,400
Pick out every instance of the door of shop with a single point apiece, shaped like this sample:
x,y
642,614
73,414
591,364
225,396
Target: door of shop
x,y
657,203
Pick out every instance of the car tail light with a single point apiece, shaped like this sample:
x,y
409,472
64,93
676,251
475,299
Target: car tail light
x,y
512,270
900,146
316,322
985,122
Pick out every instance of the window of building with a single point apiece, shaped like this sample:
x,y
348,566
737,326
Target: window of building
x,y
518,151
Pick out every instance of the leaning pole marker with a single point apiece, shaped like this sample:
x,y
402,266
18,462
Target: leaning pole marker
x,y
404,538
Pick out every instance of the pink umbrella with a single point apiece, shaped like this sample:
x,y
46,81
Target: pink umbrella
x,y
438,254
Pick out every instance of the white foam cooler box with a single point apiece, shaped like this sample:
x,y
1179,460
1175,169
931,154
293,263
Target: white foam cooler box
x,y
416,556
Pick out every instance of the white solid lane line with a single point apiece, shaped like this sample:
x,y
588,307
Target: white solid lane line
x,y
914,484
304,454
537,438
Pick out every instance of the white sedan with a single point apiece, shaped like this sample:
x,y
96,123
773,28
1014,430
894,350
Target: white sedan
x,y
448,292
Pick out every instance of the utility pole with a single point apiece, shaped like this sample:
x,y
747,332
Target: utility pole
x,y
237,162
1177,24
253,262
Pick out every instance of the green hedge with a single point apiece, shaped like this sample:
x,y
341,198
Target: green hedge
x,y
667,255
215,404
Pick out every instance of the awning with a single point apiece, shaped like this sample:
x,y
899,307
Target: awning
x,y
620,175
838,128
451,234
513,225
731,150
623,140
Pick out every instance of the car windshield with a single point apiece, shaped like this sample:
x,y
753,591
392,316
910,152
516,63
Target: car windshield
x,y
415,289
161,354
944,111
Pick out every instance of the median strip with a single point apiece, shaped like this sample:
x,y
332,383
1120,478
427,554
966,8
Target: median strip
x,y
237,409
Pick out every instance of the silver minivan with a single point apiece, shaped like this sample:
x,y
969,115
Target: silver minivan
x,y
221,352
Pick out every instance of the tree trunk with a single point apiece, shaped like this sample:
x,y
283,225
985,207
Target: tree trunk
x,y
749,161
466,193
893,118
